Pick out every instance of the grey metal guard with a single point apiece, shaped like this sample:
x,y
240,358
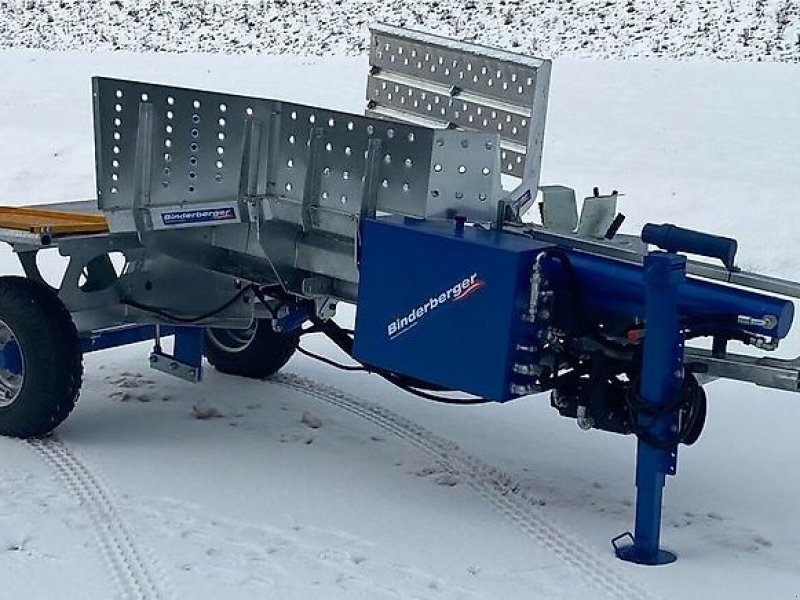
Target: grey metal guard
x,y
428,80
311,164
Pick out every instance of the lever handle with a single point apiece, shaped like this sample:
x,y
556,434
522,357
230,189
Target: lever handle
x,y
677,239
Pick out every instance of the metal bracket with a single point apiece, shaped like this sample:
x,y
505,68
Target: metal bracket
x,y
248,178
311,189
143,165
172,366
186,362
369,202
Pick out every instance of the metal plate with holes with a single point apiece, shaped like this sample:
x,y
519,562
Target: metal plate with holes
x,y
465,174
192,158
404,160
424,79
198,150
198,142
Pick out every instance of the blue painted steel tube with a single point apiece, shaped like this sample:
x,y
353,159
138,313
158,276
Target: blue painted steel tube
x,y
618,287
189,345
662,374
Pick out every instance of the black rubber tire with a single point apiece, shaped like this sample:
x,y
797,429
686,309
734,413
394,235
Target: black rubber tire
x,y
265,355
53,362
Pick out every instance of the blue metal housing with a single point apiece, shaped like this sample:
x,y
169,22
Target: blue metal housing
x,y
444,304
447,304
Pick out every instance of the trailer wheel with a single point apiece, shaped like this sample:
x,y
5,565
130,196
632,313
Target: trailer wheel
x,y
41,365
258,352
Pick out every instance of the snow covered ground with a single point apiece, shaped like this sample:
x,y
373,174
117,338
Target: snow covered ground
x,y
298,491
757,30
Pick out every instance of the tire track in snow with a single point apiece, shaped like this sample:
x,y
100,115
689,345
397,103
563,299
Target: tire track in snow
x,y
490,483
132,572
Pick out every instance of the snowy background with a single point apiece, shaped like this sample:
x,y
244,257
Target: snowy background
x,y
294,489
757,30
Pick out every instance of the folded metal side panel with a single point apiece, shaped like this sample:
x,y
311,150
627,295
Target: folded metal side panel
x,y
198,149
432,81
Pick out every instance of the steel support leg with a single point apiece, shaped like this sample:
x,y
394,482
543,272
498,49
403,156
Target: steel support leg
x,y
662,376
186,360
189,345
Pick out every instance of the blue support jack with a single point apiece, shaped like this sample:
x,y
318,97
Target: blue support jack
x,y
662,377
186,360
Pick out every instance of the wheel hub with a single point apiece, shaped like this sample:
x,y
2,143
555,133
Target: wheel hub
x,y
12,366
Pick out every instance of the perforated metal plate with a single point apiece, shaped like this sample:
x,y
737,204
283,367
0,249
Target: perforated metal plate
x,y
465,173
404,159
199,141
198,150
424,79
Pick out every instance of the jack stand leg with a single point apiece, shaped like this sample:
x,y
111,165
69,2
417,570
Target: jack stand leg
x,y
662,376
650,481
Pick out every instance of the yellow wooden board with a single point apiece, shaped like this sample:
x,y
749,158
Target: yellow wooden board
x,y
54,222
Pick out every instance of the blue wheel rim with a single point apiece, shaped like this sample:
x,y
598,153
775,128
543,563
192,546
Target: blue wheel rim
x,y
12,366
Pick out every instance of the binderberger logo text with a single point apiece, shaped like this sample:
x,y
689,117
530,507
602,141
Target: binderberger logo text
x,y
182,217
454,293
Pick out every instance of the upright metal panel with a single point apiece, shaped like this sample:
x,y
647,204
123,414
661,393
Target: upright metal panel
x,y
199,142
208,147
193,159
404,167
432,81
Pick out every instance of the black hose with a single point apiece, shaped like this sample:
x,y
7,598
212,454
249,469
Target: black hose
x,y
257,290
421,389
585,326
328,361
689,399
181,319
